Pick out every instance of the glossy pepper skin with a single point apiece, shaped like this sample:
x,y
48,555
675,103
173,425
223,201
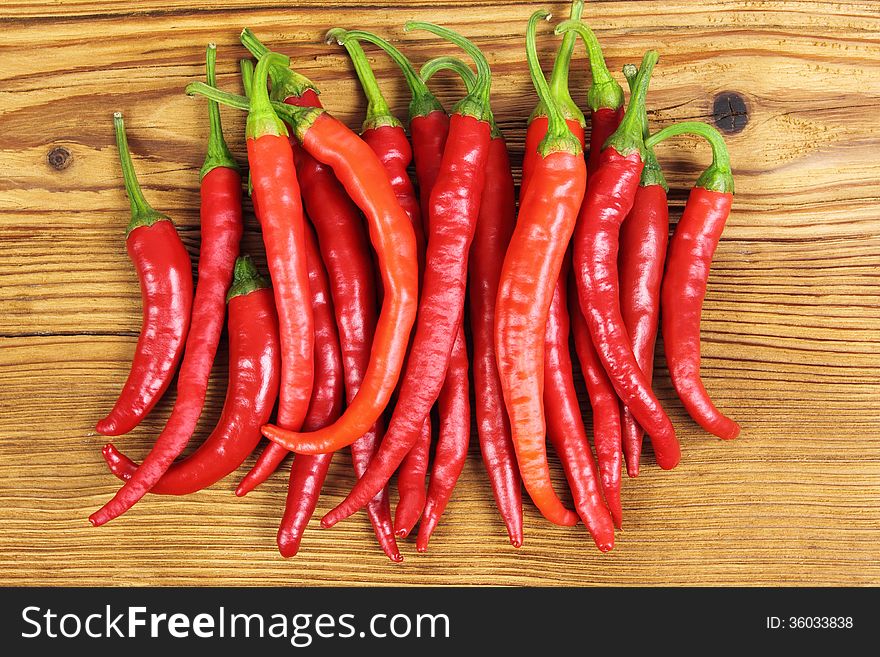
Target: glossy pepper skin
x,y
308,472
345,250
166,284
453,211
165,275
608,200
278,206
221,230
254,366
491,239
643,238
547,213
565,425
384,133
366,182
687,273
606,410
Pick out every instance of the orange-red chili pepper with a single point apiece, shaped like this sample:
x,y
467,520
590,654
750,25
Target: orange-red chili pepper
x,y
165,275
254,365
453,211
687,272
547,214
643,237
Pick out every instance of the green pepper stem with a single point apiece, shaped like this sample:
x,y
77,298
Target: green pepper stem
x,y
247,75
285,82
299,117
378,112
142,213
652,174
604,92
218,152
628,138
558,137
423,102
447,63
262,119
718,177
559,76
476,103
246,278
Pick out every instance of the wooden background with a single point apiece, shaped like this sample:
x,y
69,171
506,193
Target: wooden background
x,y
791,342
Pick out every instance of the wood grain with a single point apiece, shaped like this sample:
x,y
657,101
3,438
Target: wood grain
x,y
791,324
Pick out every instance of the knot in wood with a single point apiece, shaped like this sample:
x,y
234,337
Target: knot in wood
x,y
59,158
730,113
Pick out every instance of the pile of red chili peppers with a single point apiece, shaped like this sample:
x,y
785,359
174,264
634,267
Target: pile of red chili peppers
x,y
376,283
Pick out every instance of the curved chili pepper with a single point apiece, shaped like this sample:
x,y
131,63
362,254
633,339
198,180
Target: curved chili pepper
x,y
254,364
454,409
687,272
384,133
453,211
547,213
221,229
605,406
608,200
308,472
363,178
643,237
278,207
165,275
491,238
345,250
559,92
565,424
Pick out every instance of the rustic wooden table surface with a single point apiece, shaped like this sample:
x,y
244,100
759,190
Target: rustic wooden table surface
x,y
791,335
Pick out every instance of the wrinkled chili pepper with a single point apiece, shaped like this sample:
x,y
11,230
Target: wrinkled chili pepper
x,y
453,211
384,133
345,250
643,237
254,365
687,272
605,406
547,214
221,230
165,275
565,424
308,472
608,200
491,238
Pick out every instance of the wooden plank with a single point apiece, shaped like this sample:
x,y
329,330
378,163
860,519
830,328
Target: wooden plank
x,y
791,339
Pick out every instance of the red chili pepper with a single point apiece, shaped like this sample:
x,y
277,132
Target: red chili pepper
x,y
254,364
366,182
363,177
384,133
608,200
565,424
165,275
559,92
453,211
308,472
606,408
278,206
345,250
221,229
547,213
687,272
491,239
643,238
